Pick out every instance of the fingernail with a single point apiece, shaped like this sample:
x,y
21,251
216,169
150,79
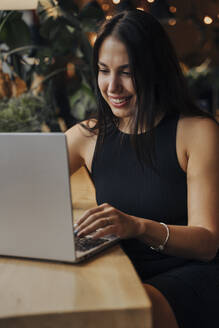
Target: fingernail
x,y
75,225
76,232
80,234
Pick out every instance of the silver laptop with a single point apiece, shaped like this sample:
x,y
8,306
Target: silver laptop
x,y
36,218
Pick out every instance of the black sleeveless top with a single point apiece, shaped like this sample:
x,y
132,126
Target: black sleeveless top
x,y
121,181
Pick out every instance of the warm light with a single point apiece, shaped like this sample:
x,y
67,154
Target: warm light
x,y
140,8
208,20
217,15
172,21
109,17
150,1
116,2
172,9
105,6
70,70
92,38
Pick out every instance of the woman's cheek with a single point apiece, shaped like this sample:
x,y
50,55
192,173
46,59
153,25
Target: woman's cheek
x,y
101,83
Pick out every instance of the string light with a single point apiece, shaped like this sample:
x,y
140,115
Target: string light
x,y
150,1
207,20
70,70
172,21
116,2
140,8
108,17
105,6
172,9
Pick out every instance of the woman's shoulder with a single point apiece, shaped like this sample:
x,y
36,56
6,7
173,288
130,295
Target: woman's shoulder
x,y
198,124
199,131
82,130
198,119
89,126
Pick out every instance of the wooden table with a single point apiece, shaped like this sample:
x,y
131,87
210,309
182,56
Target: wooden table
x,y
102,292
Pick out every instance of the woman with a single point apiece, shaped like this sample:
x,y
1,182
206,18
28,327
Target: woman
x,y
153,157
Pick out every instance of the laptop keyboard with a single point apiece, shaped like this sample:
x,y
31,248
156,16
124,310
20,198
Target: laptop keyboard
x,y
84,243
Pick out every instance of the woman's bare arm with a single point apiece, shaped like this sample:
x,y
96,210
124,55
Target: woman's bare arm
x,y
81,145
74,144
200,239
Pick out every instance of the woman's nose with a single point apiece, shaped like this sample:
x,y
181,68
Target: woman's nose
x,y
114,84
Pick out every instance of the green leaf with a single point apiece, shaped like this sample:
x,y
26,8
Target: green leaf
x,y
68,5
15,32
4,16
89,25
92,11
47,27
72,19
82,101
90,15
70,28
48,9
22,50
86,48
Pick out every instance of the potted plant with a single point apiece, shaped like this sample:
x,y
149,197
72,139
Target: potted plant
x,y
27,113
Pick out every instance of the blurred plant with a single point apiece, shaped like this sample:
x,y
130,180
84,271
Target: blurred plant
x,y
26,113
65,54
15,42
22,114
203,82
59,62
203,74
83,102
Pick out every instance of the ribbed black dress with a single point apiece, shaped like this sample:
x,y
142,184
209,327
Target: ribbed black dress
x,y
191,287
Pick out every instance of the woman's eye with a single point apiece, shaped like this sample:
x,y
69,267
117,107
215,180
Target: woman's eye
x,y
105,71
126,73
102,70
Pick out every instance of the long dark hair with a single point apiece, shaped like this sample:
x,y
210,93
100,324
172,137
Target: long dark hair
x,y
156,74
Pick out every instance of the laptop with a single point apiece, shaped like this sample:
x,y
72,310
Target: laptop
x,y
36,217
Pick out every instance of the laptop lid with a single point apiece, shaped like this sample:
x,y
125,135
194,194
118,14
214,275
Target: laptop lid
x,y
35,198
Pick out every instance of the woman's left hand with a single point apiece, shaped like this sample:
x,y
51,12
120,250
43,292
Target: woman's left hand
x,y
110,221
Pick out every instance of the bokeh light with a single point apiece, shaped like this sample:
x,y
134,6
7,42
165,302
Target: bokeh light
x,y
172,9
172,21
116,2
105,6
207,20
140,8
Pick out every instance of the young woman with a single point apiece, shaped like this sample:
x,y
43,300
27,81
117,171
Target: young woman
x,y
153,157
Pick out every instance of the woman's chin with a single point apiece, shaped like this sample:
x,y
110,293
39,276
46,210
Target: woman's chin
x,y
121,113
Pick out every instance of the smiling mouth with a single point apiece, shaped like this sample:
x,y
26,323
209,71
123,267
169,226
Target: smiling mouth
x,y
119,101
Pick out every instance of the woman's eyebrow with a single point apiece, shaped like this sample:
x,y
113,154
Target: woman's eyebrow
x,y
122,66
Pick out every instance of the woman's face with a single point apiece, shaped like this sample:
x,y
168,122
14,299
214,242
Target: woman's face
x,y
114,79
